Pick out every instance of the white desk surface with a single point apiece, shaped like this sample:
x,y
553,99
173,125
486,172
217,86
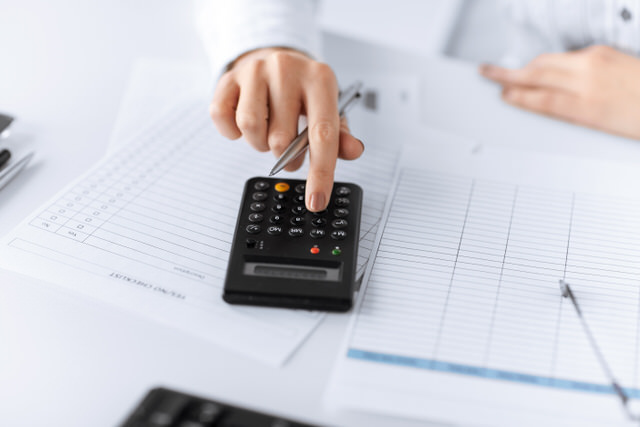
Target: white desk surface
x,y
68,361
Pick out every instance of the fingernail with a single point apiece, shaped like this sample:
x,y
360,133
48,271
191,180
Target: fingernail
x,y
316,202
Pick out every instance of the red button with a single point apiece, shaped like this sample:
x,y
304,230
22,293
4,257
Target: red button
x,y
315,250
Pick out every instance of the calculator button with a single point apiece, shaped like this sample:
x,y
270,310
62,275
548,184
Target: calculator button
x,y
340,212
319,222
259,196
278,207
296,231
257,206
253,229
343,191
274,230
279,197
300,188
299,198
281,187
320,213
297,220
261,185
336,251
315,250
299,210
256,217
341,202
169,410
339,223
275,219
317,233
207,413
338,234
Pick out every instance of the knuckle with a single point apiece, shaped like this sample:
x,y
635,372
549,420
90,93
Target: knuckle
x,y
255,68
548,102
322,72
281,58
218,112
599,50
324,130
261,147
597,55
534,74
279,141
249,121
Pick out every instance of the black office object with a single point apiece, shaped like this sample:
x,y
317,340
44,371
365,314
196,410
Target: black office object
x,y
285,256
162,407
5,155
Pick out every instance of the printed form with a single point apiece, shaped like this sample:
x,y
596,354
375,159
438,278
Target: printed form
x,y
149,229
461,318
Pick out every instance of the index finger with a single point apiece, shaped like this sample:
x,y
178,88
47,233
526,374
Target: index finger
x,y
321,102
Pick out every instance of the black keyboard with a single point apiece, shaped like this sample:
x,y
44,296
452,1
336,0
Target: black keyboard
x,y
162,407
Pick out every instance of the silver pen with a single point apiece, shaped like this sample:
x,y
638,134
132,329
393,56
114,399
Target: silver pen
x,y
301,142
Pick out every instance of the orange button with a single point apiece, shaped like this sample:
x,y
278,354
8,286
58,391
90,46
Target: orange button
x,y
281,187
315,250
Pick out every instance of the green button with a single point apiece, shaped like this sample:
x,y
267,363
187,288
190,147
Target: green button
x,y
336,251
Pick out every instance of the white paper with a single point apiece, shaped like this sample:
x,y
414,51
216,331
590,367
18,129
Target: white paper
x,y
149,229
462,319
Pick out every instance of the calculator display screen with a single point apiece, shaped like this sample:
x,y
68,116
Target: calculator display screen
x,y
293,271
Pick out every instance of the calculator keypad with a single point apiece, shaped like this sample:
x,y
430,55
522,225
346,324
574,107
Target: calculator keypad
x,y
283,255
286,203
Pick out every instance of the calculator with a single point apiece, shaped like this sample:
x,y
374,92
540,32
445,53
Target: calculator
x,y
285,256
163,407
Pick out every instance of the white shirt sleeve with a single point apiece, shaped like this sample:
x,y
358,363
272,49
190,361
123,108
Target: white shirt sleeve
x,y
230,28
557,25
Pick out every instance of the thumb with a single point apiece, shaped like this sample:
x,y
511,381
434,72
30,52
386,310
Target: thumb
x,y
350,147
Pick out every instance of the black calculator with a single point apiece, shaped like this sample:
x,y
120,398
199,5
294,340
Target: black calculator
x,y
285,256
163,407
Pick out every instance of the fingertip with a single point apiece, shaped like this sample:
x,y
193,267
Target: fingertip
x,y
318,192
317,201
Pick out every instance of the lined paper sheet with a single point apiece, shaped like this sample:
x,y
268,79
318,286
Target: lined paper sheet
x,y
462,318
149,229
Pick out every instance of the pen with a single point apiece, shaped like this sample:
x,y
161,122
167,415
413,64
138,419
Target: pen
x,y
10,172
301,142
5,155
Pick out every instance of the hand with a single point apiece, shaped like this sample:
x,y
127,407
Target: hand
x,y
261,98
597,87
